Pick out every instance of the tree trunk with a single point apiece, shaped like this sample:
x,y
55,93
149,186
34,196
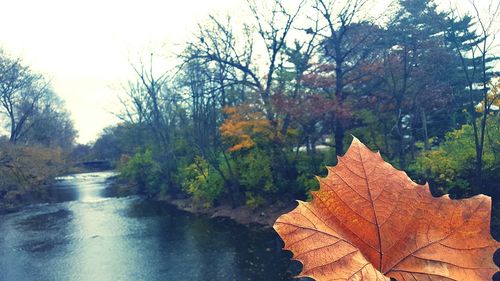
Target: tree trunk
x,y
13,129
339,137
424,127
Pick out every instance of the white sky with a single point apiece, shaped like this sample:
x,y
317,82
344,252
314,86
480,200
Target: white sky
x,y
84,47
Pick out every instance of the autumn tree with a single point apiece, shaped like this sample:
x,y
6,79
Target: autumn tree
x,y
347,40
217,47
211,88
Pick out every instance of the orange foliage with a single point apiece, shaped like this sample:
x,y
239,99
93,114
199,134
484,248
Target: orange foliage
x,y
369,221
243,125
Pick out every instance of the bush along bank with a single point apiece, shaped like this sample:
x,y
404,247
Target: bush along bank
x,y
25,173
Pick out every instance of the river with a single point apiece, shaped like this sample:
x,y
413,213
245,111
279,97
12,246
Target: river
x,y
88,236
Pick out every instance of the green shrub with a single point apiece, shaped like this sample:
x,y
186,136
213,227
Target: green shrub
x,y
255,171
308,169
255,176
254,201
309,183
451,166
202,181
144,171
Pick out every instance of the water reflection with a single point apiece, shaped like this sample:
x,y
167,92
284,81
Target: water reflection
x,y
87,187
95,238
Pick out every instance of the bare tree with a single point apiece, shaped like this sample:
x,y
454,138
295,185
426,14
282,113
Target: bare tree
x,y
346,38
473,38
151,103
219,45
21,93
50,125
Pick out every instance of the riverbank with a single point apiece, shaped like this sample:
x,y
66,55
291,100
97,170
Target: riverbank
x,y
264,216
13,201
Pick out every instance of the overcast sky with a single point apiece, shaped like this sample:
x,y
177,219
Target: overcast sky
x,y
85,47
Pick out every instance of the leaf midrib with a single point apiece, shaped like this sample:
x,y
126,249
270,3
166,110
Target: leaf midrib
x,y
373,208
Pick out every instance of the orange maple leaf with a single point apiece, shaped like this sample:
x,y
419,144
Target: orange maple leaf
x,y
369,221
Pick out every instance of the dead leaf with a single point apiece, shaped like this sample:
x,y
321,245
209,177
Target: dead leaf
x,y
369,221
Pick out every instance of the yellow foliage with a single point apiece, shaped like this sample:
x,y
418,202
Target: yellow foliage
x,y
493,98
243,125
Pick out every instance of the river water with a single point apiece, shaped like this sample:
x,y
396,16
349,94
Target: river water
x,y
88,236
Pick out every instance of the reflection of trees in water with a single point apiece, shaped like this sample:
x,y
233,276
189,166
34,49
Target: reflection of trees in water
x,y
261,257
230,251
199,248
212,245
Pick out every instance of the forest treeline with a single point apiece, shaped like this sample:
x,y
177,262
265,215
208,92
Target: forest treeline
x,y
37,133
257,106
256,109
